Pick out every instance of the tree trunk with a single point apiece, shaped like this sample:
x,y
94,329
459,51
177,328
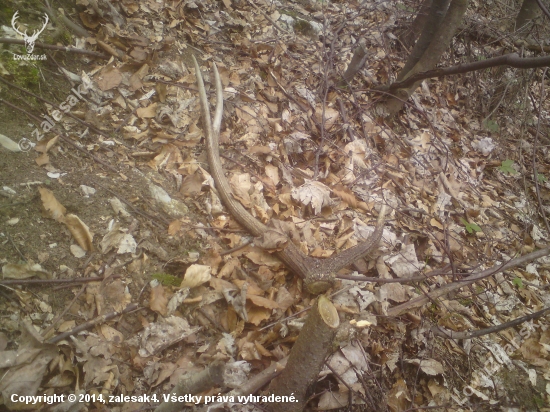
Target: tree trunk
x,y
439,43
437,12
411,35
530,10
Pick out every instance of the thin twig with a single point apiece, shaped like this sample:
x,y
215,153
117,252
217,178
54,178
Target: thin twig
x,y
157,220
449,334
16,248
241,246
72,116
53,281
444,290
60,316
97,321
62,135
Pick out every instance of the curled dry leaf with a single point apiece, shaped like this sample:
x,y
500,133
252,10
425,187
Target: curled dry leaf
x,y
428,366
195,276
164,333
158,300
313,193
117,238
263,302
27,368
242,187
331,116
15,271
53,208
346,195
80,232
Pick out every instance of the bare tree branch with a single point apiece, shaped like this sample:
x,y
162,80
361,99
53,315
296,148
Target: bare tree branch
x,y
511,60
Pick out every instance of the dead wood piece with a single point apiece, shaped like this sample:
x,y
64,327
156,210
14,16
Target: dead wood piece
x,y
318,274
444,290
451,334
96,321
306,357
193,384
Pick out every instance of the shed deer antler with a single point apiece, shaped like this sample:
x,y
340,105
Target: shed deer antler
x,y
318,274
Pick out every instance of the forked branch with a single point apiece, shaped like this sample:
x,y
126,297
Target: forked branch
x,y
318,274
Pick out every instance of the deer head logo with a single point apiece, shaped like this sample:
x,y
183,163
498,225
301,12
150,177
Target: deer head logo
x,y
29,40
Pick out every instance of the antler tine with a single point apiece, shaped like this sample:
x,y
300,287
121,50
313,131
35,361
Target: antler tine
x,y
204,101
217,121
212,130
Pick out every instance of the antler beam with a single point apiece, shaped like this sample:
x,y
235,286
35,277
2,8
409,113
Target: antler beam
x,y
318,274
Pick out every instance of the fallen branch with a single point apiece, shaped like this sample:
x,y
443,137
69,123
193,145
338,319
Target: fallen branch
x,y
444,290
194,383
450,334
511,60
54,281
97,321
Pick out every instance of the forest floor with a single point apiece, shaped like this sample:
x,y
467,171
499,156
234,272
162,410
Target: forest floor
x,y
110,220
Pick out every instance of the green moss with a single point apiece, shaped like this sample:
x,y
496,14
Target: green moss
x,y
23,73
166,279
304,27
290,13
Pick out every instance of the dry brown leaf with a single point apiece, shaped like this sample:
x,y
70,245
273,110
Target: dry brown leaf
x,y
346,195
263,302
257,315
80,232
158,300
109,78
228,269
192,184
28,367
272,172
54,209
148,112
241,187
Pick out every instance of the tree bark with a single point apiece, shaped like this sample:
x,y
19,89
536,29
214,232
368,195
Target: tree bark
x,y
357,61
411,35
530,10
508,60
306,357
435,16
440,42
